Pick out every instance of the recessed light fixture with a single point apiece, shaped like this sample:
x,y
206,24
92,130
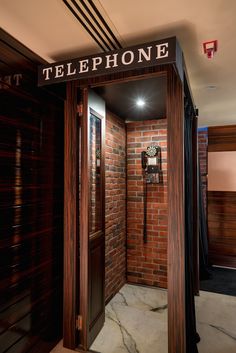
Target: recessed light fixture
x,y
140,102
211,87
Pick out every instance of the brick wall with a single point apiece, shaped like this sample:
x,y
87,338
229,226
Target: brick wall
x,y
203,150
115,197
146,263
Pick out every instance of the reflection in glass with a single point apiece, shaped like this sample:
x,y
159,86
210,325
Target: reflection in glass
x,y
95,220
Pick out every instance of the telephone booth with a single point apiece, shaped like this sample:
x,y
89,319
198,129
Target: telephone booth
x,y
98,88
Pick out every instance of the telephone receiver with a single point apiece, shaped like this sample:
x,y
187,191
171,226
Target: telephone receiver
x,y
143,159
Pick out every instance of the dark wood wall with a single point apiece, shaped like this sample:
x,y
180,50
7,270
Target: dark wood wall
x,y
222,138
31,205
222,205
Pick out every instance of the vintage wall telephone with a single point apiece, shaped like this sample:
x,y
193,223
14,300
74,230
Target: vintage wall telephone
x,y
151,164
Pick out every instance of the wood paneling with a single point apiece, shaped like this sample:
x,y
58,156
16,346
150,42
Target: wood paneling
x,y
222,227
176,216
222,138
222,204
31,207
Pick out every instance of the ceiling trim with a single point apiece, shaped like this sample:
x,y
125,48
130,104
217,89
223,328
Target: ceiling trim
x,y
94,23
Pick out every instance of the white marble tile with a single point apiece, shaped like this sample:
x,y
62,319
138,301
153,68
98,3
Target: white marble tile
x,y
216,323
144,298
136,322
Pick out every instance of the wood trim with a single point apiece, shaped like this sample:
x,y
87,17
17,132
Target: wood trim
x,y
221,138
176,216
70,218
22,50
195,207
96,325
84,224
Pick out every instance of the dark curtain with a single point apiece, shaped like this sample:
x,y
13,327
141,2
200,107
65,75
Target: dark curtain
x,y
191,334
203,240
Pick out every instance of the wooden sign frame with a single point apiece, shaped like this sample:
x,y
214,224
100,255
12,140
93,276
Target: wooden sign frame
x,y
160,52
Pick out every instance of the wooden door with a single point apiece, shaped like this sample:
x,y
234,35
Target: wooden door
x,y
92,224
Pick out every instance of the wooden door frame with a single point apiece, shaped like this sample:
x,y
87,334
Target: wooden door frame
x,y
84,224
71,175
176,209
176,215
84,215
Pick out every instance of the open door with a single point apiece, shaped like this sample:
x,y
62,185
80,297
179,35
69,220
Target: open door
x,y
92,220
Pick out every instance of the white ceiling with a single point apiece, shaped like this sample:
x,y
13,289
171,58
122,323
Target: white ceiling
x,y
50,30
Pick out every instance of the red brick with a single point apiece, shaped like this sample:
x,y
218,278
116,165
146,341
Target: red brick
x,y
150,132
115,201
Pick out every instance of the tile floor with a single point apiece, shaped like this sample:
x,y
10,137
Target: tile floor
x,y
136,322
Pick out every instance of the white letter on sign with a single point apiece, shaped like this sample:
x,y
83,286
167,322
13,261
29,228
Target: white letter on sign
x,y
123,60
162,50
96,61
47,72
83,66
111,59
59,71
142,53
69,72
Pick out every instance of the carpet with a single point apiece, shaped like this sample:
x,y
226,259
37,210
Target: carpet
x,y
222,281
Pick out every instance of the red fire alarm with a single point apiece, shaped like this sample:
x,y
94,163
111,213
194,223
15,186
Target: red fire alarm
x,y
210,48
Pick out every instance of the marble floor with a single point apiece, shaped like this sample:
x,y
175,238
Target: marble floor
x,y
136,322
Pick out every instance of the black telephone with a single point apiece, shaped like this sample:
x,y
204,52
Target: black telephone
x,y
151,164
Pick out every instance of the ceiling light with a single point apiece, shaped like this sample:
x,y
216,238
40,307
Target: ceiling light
x,y
211,87
140,102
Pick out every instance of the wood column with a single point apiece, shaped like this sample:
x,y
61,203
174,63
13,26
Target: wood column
x,y
70,217
84,225
176,215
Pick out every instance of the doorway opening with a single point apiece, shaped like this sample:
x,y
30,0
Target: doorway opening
x,y
127,203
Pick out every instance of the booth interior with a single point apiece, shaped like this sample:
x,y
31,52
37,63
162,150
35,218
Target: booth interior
x,y
135,196
127,168
133,146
